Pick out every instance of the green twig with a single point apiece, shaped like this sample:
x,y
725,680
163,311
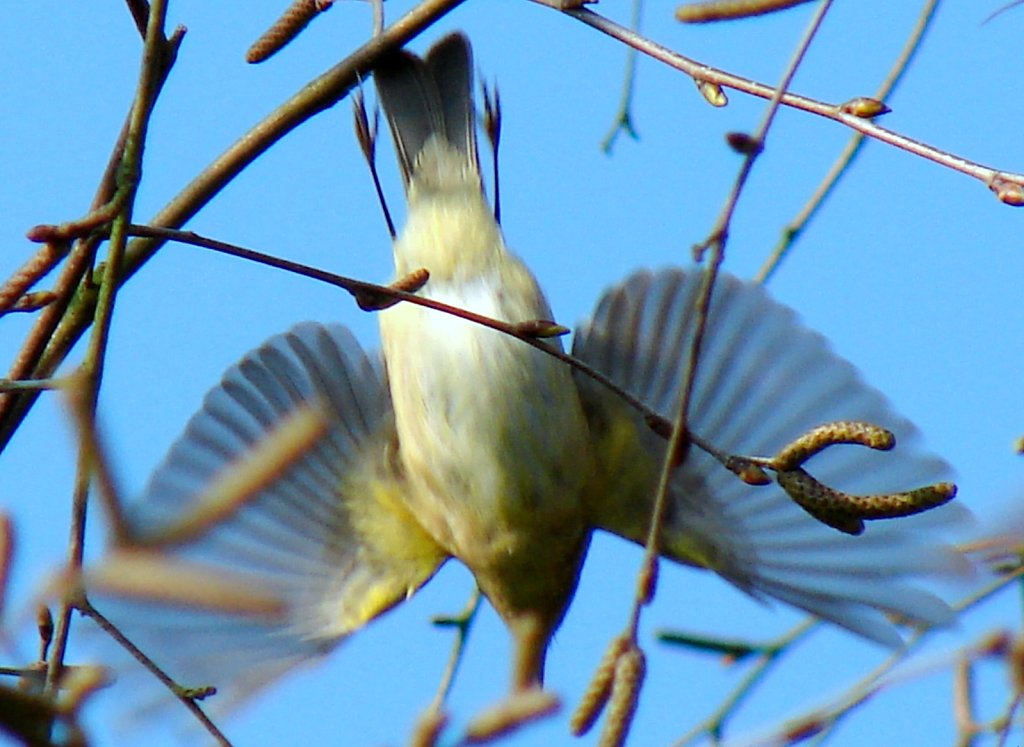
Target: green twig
x,y
153,63
463,624
716,722
624,117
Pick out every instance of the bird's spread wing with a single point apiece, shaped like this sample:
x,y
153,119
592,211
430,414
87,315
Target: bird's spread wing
x,y
328,536
763,380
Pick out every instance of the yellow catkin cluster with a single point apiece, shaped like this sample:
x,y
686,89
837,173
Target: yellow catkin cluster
x,y
847,513
629,676
794,454
599,689
287,27
511,714
727,10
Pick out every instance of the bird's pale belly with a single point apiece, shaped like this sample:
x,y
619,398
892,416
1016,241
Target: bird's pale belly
x,y
491,435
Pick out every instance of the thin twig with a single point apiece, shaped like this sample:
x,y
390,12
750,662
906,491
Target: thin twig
x,y
94,453
360,288
316,96
153,63
30,273
463,623
86,608
1005,725
624,117
699,71
827,716
140,14
964,706
853,147
720,231
74,286
714,724
679,439
821,502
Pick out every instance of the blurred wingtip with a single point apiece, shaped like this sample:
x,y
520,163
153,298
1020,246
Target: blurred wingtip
x,y
763,379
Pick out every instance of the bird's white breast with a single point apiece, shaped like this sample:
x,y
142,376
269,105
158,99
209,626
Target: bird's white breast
x,y
490,429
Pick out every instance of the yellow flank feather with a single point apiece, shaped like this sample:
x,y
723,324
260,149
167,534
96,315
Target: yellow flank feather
x,y
389,537
621,495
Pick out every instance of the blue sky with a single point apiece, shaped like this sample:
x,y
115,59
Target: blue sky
x,y
912,271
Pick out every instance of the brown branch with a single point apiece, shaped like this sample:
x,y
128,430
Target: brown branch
x,y
155,59
680,438
362,290
73,287
313,98
182,694
31,273
1010,184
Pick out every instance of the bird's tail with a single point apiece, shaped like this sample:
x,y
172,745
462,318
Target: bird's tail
x,y
429,100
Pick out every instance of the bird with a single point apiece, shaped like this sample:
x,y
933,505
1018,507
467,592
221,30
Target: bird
x,y
461,443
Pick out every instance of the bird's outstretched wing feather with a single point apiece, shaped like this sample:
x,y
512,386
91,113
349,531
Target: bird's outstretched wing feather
x,y
329,537
763,380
